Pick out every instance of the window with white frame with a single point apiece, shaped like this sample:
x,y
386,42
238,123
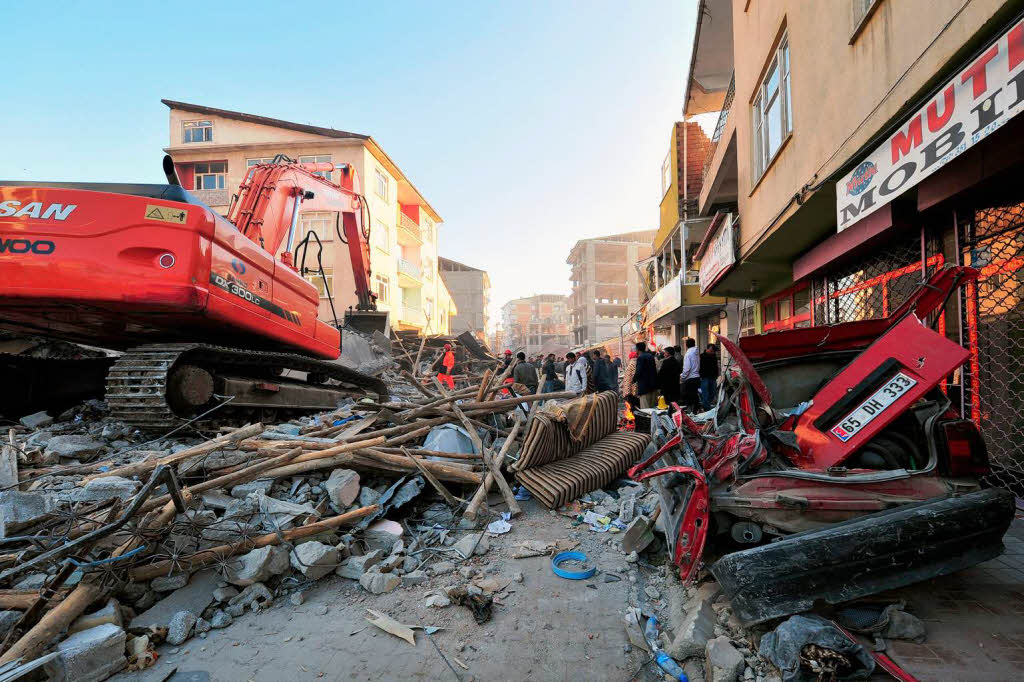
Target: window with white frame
x,y
319,158
314,278
772,113
211,175
321,222
249,163
197,131
383,288
382,236
381,184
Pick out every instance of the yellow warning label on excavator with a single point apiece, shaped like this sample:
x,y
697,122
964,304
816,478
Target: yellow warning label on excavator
x,y
166,214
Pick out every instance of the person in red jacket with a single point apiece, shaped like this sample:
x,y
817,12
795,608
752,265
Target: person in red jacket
x,y
445,365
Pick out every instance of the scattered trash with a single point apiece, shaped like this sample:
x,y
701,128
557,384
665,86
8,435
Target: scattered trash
x,y
480,604
391,626
805,647
501,526
664,661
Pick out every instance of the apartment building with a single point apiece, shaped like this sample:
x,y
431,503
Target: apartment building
x,y
213,149
471,290
861,145
537,324
606,285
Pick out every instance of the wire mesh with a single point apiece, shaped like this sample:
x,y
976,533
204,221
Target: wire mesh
x,y
874,286
992,240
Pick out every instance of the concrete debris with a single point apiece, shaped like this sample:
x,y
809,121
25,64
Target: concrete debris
x,y
342,487
19,510
222,594
75,446
693,623
314,559
258,566
723,661
354,567
243,490
180,627
36,421
297,599
437,600
441,568
8,620
103,489
169,583
376,582
257,592
194,598
414,578
90,655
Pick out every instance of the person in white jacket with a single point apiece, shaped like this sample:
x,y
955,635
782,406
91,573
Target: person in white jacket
x,y
575,373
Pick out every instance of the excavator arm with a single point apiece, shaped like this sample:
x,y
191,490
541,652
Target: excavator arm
x,y
272,196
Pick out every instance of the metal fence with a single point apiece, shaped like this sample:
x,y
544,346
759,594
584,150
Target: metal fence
x,y
992,328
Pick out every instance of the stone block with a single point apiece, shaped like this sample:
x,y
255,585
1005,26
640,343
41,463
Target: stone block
x,y
90,655
693,633
110,613
342,487
314,559
169,583
194,598
180,627
243,490
354,567
723,662
376,582
258,565
36,421
75,446
102,489
19,510
414,578
7,621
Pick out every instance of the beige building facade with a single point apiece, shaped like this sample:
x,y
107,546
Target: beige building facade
x,y
471,289
213,149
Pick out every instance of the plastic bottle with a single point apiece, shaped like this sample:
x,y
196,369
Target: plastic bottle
x,y
664,661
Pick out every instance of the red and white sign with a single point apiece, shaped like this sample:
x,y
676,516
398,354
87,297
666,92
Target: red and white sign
x,y
719,257
969,108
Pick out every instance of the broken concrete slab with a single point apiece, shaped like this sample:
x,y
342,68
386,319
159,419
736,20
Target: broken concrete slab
x,y
696,627
169,583
36,421
278,514
258,565
222,594
375,582
19,510
102,489
437,600
91,655
414,578
194,598
8,620
342,487
243,490
722,661
442,567
257,592
75,446
354,567
314,559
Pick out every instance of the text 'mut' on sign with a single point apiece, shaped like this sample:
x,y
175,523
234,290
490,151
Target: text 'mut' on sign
x,y
969,108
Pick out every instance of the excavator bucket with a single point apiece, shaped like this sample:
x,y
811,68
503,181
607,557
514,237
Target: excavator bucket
x,y
368,321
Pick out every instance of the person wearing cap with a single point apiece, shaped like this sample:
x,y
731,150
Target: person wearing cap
x,y
508,360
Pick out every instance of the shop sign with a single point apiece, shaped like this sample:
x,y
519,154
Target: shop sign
x,y
664,301
970,107
719,257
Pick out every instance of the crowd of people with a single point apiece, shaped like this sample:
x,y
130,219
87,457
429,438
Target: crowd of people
x,y
679,374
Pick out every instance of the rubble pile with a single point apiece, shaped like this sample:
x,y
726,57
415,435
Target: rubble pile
x,y
114,543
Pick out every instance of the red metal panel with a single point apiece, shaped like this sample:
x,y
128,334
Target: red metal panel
x,y
920,353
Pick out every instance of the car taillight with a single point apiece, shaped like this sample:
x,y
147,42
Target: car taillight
x,y
967,455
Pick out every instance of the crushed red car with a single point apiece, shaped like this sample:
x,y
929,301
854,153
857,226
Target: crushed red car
x,y
835,455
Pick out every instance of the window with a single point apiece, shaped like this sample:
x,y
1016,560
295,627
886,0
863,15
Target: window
x,y
381,185
320,158
249,163
790,309
211,175
197,131
313,276
383,288
428,308
666,172
772,116
321,222
862,11
382,236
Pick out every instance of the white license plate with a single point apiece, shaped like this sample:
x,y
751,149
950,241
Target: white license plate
x,y
879,401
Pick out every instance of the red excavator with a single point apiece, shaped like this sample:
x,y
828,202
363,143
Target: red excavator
x,y
209,322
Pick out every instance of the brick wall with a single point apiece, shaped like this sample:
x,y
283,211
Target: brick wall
x,y
691,165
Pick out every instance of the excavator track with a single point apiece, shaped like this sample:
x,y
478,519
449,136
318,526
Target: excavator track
x,y
138,386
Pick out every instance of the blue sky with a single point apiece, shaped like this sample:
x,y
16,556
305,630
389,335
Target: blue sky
x,y
527,125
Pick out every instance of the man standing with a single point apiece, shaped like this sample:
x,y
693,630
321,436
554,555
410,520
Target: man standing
x,y
629,377
549,375
691,377
525,373
708,375
668,377
613,372
575,373
444,366
646,376
601,377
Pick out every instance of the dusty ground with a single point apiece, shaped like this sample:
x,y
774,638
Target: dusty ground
x,y
550,628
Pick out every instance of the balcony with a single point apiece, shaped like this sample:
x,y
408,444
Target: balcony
x,y
409,276
409,233
723,117
411,317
